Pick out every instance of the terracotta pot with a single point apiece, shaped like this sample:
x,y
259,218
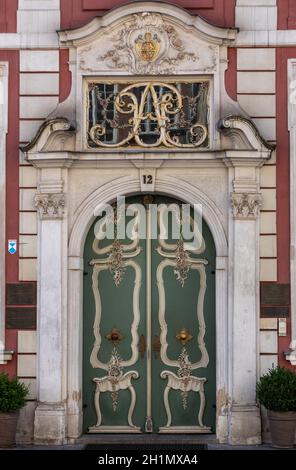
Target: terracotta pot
x,y
282,428
8,423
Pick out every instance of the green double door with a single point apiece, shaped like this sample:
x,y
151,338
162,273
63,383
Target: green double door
x,y
149,323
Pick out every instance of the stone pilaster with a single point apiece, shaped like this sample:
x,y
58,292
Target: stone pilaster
x,y
50,414
245,424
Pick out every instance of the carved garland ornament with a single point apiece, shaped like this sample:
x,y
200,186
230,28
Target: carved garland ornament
x,y
184,373
50,206
246,205
116,262
182,263
114,374
147,45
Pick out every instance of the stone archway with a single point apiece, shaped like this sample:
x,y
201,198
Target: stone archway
x,y
85,217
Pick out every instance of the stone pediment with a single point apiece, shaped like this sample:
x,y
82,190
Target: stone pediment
x,y
148,42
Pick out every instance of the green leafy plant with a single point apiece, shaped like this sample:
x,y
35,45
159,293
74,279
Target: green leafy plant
x,y
276,390
12,393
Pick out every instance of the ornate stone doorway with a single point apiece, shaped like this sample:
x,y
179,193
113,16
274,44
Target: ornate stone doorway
x,y
149,322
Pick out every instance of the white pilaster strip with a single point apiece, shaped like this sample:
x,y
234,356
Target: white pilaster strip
x,y
292,129
4,356
38,16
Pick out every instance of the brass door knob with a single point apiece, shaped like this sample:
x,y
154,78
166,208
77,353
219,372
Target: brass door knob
x,y
184,336
115,336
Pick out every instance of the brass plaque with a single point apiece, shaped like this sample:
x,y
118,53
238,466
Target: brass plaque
x,y
274,312
23,318
21,294
275,294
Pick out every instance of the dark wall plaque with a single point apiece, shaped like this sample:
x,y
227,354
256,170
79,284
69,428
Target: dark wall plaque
x,y
275,294
274,312
21,294
23,318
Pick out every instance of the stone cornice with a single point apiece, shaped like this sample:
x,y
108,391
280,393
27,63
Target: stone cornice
x,y
205,30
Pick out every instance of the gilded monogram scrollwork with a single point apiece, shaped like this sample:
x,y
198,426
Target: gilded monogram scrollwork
x,y
148,114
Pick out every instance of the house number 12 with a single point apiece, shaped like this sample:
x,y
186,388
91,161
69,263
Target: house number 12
x,y
147,179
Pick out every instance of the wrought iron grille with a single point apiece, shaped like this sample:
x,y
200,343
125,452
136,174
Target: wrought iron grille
x,y
148,114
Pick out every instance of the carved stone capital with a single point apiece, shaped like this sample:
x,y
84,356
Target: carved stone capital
x,y
50,206
246,206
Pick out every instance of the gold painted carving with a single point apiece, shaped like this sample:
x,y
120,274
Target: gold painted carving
x,y
184,373
147,48
184,336
182,263
114,374
115,336
116,263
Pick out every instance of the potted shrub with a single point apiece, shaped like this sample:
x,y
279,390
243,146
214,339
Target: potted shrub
x,y
276,390
12,398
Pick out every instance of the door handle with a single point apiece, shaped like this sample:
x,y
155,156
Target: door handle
x,y
142,346
156,346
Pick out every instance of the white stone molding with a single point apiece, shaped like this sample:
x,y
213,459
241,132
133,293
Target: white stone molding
x,y
50,206
39,5
259,38
292,129
291,354
208,31
5,356
244,133
38,16
52,133
246,206
256,15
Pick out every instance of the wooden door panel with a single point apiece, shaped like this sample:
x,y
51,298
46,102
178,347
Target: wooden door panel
x,y
183,304
116,365
114,320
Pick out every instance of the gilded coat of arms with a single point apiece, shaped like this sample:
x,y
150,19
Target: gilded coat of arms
x,y
147,48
